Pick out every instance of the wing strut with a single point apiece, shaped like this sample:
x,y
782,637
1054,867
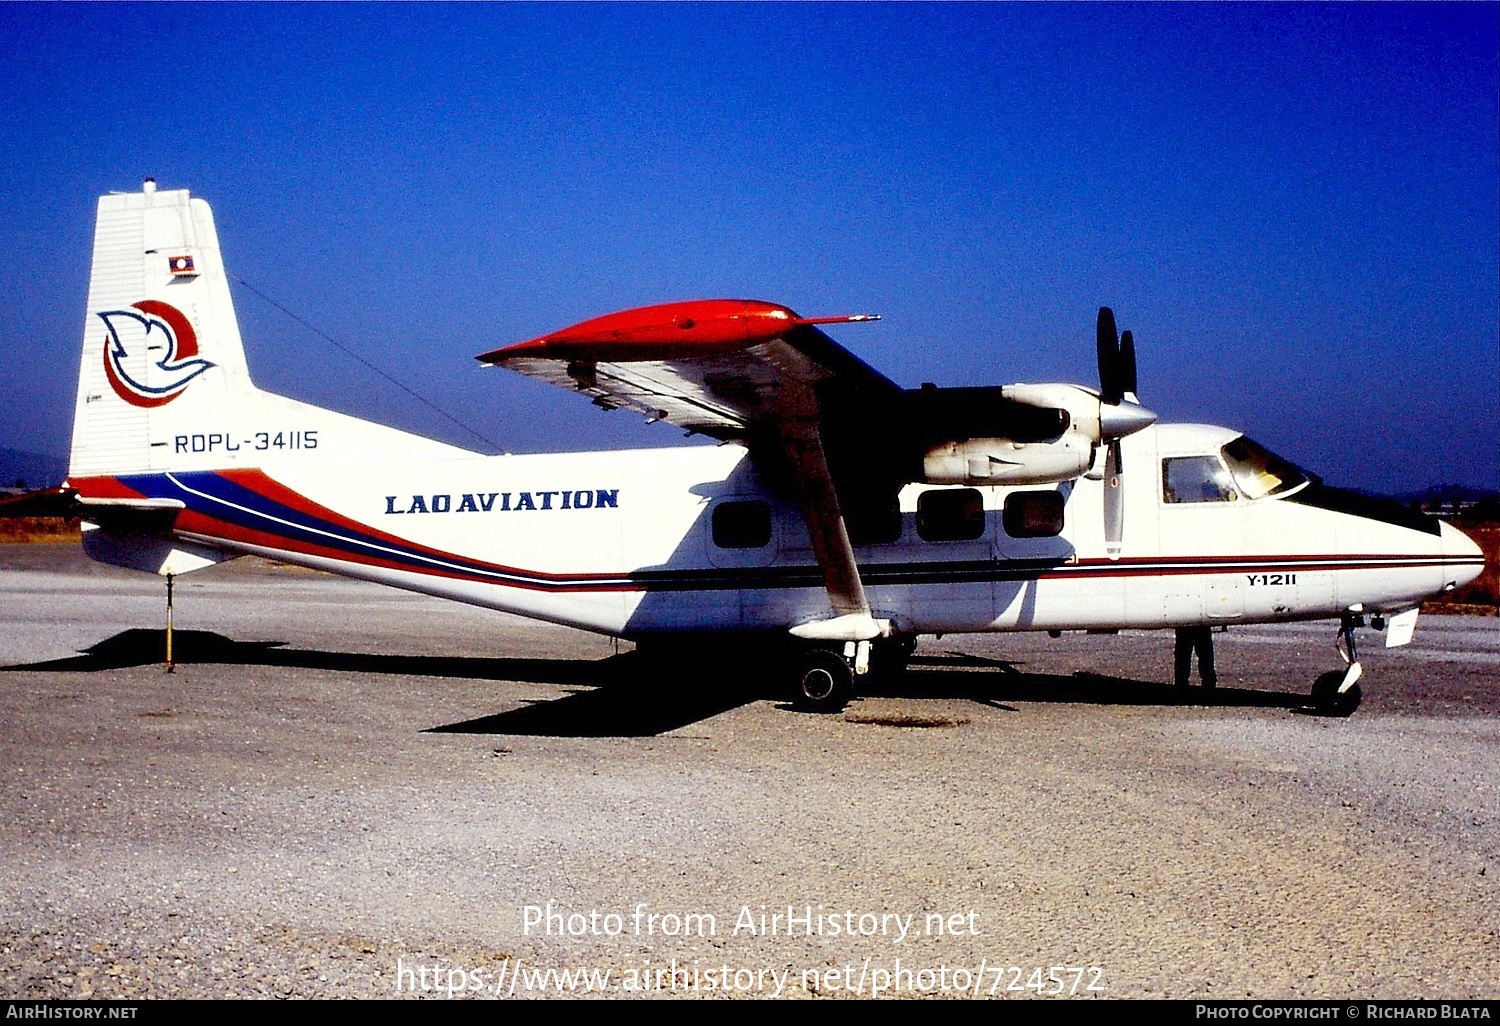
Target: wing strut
x,y
802,449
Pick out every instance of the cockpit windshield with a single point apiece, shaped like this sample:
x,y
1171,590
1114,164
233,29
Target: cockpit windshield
x,y
1259,472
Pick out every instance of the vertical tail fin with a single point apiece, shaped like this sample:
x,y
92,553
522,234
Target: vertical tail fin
x,y
160,340
163,384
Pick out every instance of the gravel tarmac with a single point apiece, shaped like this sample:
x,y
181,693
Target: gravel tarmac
x,y
349,791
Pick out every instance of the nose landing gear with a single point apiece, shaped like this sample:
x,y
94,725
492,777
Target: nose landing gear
x,y
1336,693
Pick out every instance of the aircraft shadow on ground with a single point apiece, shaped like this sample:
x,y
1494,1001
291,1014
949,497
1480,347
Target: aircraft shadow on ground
x,y
951,675
143,647
632,695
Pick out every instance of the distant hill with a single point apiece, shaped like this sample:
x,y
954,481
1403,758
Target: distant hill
x,y
1450,493
31,469
1453,499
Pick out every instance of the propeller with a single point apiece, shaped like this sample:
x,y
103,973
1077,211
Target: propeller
x,y
1116,361
1120,414
1109,357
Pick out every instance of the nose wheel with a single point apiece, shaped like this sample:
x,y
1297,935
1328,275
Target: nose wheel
x,y
1336,693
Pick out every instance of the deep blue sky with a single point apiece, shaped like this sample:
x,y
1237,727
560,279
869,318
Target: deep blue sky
x,y
1293,207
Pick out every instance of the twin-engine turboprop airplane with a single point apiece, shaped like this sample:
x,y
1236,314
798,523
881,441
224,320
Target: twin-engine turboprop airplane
x,y
846,516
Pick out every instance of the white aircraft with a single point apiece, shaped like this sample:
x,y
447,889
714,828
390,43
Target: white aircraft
x,y
843,517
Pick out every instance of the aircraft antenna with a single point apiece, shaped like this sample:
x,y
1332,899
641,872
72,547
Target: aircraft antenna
x,y
419,397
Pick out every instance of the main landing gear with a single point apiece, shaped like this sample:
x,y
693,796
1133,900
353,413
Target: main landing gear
x,y
825,681
825,677
1336,693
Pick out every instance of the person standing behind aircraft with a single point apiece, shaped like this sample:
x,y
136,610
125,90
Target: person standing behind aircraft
x,y
1201,640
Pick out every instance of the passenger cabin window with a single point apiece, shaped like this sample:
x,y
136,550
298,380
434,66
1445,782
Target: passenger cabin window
x,y
1033,514
742,525
952,514
1196,479
873,523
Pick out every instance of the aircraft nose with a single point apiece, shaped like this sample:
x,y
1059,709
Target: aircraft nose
x,y
1463,558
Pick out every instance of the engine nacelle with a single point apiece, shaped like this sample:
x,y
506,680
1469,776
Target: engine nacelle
x,y
1100,421
1081,403
968,436
1001,461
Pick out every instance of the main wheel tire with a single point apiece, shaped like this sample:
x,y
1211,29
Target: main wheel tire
x,y
1327,699
825,682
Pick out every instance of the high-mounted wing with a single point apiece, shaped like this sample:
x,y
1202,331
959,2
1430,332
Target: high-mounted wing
x,y
719,367
735,370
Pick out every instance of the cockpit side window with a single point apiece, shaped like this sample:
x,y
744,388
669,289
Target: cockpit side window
x,y
1259,472
1196,479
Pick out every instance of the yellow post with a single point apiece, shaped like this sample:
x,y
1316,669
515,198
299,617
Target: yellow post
x,y
170,667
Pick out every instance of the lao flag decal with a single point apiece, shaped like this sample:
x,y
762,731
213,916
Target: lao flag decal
x,y
181,265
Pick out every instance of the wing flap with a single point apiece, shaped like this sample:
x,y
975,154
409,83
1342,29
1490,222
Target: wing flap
x,y
679,393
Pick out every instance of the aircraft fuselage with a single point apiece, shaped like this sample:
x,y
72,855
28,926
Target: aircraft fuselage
x,y
638,543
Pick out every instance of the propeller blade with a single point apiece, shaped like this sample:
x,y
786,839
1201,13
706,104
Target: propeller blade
x,y
1114,500
1108,343
1117,418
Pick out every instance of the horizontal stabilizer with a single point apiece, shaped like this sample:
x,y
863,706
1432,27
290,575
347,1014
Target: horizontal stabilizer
x,y
160,554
